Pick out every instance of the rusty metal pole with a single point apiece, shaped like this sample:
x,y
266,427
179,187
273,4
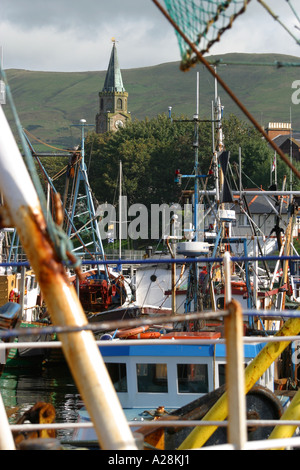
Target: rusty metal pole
x,y
235,379
22,210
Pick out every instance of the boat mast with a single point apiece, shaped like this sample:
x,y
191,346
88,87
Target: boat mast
x,y
219,145
120,217
291,153
83,177
196,193
196,147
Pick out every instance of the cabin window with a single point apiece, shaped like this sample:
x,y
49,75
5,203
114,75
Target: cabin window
x,y
192,378
222,373
152,378
117,372
222,377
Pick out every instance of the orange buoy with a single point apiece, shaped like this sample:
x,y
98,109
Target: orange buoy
x,y
131,331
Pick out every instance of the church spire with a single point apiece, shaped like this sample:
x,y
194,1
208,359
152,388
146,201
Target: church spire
x,y
113,80
113,112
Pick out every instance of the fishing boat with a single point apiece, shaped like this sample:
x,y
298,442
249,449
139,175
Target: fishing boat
x,y
175,370
20,292
9,319
183,287
172,371
25,210
163,376
99,287
247,223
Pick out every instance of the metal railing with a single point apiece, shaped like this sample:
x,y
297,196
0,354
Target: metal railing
x,y
236,418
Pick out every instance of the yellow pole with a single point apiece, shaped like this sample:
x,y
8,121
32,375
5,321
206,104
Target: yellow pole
x,y
292,413
199,436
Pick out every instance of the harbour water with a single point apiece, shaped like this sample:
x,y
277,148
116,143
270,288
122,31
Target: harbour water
x,y
21,389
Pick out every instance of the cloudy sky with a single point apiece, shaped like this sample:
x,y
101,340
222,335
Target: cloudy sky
x,y
75,35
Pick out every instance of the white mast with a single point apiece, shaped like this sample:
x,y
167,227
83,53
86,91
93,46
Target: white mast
x,y
120,215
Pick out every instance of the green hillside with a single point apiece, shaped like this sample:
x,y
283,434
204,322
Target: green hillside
x,y
50,103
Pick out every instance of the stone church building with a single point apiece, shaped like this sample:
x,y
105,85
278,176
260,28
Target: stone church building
x,y
113,112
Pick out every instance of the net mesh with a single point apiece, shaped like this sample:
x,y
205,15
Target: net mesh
x,y
202,22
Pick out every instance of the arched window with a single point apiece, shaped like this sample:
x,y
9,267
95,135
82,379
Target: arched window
x,y
119,104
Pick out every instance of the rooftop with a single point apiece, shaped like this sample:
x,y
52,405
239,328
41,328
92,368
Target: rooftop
x,y
113,81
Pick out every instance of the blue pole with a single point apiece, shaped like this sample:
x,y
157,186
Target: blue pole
x,y
249,298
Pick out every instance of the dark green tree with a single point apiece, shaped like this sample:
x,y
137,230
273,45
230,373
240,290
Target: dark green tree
x,y
151,150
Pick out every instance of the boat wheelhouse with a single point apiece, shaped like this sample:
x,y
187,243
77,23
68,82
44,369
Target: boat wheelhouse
x,y
171,371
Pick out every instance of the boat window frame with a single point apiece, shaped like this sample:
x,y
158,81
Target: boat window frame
x,y
173,398
159,385
126,374
188,392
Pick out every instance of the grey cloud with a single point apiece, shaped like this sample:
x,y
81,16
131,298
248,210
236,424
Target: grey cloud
x,y
75,13
74,35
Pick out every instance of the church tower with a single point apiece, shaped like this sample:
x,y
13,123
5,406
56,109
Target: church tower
x,y
113,112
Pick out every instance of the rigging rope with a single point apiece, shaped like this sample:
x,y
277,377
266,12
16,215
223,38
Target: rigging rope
x,y
276,18
44,143
204,22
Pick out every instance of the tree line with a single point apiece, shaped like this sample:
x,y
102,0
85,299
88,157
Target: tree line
x,y
153,149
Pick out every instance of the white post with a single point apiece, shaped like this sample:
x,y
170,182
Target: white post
x,y
22,288
227,272
255,280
